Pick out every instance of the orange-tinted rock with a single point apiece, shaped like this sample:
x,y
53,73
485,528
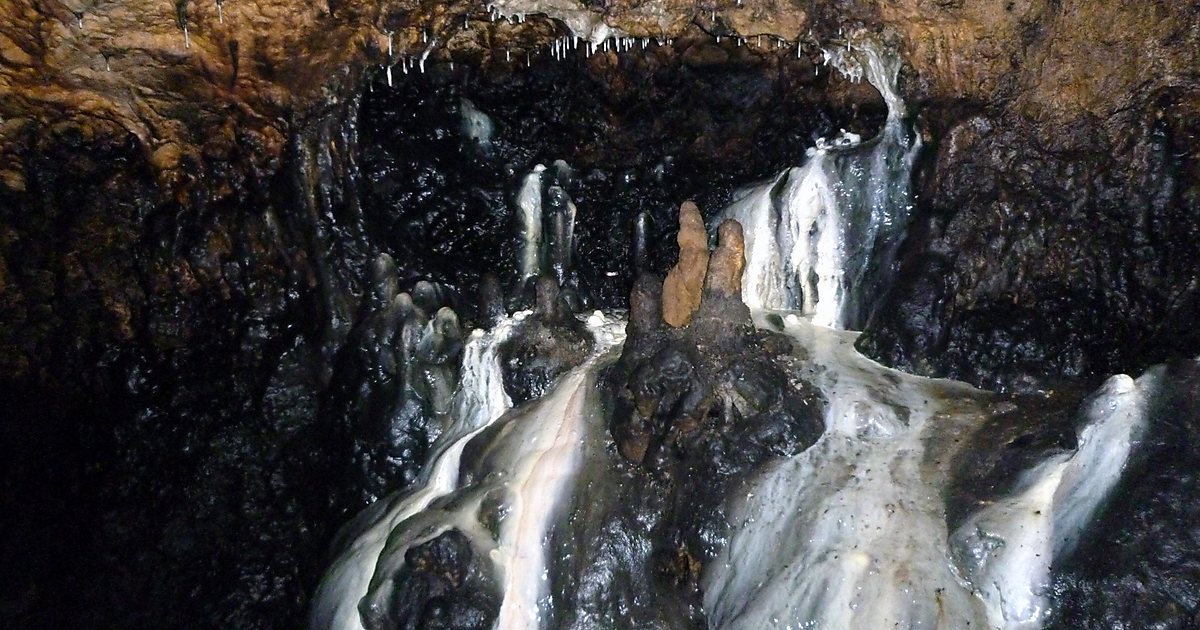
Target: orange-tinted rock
x,y
128,67
685,282
727,262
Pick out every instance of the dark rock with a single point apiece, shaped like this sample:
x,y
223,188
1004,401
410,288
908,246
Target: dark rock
x,y
440,585
491,300
645,305
640,242
1140,567
1020,432
669,399
696,411
1039,267
544,346
550,307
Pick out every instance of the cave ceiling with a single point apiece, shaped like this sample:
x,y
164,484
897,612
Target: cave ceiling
x,y
187,78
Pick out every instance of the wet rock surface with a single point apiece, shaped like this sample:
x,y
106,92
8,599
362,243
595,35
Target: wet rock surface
x,y
545,345
1021,431
695,412
440,585
200,358
1141,567
1029,266
207,387
640,132
195,430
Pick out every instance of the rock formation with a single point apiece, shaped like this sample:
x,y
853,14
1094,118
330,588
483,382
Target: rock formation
x,y
696,411
193,195
677,374
685,281
546,344
725,267
201,103
197,83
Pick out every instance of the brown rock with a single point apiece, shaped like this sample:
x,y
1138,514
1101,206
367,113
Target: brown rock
x,y
547,297
685,282
645,308
691,228
705,54
728,261
166,157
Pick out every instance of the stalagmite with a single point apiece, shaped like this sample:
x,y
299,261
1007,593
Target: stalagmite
x,y
725,266
641,227
561,212
529,210
504,503
479,400
684,284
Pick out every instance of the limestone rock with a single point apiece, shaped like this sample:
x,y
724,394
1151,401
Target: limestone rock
x,y
545,345
728,261
684,283
645,303
491,299
116,70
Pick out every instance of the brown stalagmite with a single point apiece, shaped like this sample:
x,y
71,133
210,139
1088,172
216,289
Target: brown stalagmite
x,y
728,261
645,303
685,282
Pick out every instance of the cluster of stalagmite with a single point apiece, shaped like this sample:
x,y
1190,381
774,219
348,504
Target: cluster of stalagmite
x,y
691,349
696,272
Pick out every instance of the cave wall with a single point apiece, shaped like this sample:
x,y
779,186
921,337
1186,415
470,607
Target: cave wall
x,y
207,96
1047,254
170,438
203,368
1058,201
186,235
